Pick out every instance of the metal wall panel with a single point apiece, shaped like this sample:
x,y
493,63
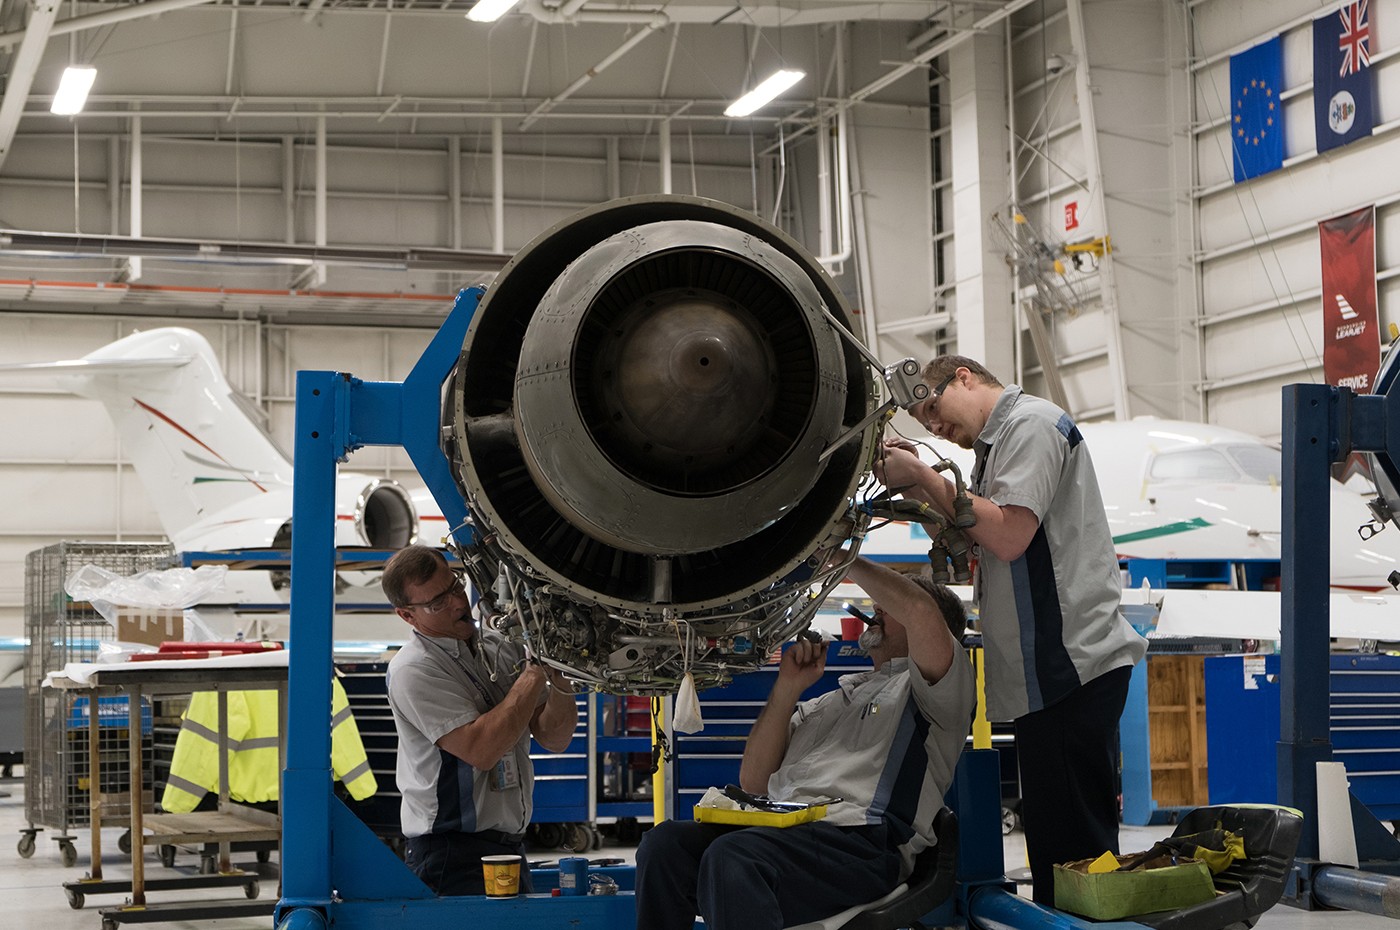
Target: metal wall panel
x,y
1257,261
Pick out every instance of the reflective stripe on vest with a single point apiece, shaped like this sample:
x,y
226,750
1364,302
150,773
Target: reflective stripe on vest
x,y
253,768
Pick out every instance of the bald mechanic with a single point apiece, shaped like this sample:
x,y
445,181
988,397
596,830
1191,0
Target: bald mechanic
x,y
886,742
1059,650
465,703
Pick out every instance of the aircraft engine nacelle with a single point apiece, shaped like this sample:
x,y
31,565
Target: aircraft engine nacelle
x,y
637,423
378,514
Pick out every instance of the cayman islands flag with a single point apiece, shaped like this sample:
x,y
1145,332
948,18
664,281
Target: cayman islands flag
x,y
1343,109
1256,112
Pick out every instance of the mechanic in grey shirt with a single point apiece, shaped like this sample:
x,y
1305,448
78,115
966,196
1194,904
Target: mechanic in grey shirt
x,y
465,705
886,742
1059,650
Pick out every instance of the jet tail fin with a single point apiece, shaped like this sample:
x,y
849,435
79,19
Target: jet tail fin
x,y
199,455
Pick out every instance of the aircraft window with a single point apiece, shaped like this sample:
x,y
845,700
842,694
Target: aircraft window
x,y
1260,463
1196,464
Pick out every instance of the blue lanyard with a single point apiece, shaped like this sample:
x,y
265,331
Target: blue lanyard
x,y
486,696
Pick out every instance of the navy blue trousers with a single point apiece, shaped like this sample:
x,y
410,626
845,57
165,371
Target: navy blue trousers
x,y
758,878
450,863
1068,756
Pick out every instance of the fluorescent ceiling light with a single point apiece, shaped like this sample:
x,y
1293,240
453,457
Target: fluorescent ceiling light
x,y
73,90
488,11
775,85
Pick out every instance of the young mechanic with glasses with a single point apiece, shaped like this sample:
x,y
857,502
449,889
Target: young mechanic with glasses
x,y
1059,650
465,703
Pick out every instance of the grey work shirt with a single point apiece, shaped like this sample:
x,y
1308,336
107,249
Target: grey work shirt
x,y
437,684
886,742
1050,618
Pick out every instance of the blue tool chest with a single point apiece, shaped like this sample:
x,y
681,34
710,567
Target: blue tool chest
x,y
1242,727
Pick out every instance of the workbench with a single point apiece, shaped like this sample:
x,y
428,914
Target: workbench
x,y
229,823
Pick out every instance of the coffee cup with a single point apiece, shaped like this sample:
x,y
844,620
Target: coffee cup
x,y
502,875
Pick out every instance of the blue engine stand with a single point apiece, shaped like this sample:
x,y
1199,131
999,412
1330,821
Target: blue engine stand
x,y
336,871
1321,425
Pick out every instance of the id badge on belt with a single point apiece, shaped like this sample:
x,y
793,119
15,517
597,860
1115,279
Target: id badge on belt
x,y
505,775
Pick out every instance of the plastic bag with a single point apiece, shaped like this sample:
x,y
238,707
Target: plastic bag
x,y
170,589
716,798
688,718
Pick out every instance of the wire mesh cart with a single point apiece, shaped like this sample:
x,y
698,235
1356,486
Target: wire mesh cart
x,y
59,736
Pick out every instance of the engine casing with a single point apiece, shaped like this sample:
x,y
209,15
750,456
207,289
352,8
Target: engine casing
x,y
637,423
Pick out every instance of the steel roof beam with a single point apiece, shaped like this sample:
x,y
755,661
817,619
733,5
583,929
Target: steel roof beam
x,y
119,15
67,245
22,69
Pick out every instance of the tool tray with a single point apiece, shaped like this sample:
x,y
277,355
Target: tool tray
x,y
801,813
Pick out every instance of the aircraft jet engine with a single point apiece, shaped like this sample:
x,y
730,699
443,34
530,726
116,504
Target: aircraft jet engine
x,y
656,426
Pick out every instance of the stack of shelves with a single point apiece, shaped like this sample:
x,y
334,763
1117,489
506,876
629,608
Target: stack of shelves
x,y
1176,706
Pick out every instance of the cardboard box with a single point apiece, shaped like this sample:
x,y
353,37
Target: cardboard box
x,y
1112,895
150,626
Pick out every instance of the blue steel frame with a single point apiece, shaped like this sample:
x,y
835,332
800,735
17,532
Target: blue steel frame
x,y
1321,425
335,869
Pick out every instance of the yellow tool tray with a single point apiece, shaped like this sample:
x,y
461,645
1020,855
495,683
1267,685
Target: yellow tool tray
x,y
756,818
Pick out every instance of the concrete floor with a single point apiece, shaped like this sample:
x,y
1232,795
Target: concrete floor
x,y
33,898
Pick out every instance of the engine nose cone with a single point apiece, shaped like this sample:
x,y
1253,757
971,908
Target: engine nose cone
x,y
611,425
688,384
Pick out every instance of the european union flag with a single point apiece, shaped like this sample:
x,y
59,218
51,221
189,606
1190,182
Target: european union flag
x,y
1342,106
1256,112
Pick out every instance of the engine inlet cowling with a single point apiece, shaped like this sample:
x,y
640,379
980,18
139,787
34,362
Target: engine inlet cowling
x,y
637,423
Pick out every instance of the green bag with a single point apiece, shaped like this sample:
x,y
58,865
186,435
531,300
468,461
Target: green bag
x,y
1111,895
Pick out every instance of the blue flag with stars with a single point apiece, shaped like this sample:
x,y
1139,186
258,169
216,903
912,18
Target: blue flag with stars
x,y
1256,112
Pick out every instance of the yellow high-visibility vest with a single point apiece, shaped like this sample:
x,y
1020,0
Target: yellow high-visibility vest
x,y
253,773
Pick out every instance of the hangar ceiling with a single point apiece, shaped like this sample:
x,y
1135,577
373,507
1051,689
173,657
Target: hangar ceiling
x,y
552,79
377,66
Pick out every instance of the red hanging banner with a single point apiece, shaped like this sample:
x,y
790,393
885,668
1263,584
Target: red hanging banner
x,y
1351,352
